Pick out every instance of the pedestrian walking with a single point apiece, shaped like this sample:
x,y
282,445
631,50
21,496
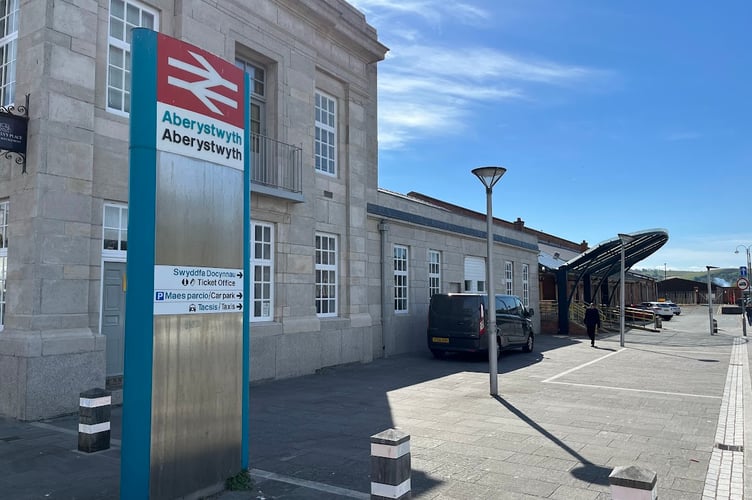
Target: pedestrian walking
x,y
592,321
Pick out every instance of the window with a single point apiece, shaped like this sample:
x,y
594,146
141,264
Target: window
x,y
3,257
326,275
526,284
115,229
400,278
509,277
8,48
257,77
262,265
434,272
124,16
325,146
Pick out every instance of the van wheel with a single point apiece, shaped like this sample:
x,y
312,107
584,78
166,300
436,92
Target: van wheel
x,y
528,347
438,354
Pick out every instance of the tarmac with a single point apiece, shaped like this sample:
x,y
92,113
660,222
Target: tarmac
x,y
672,402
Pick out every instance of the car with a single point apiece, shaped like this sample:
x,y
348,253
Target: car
x,y
661,309
457,323
674,307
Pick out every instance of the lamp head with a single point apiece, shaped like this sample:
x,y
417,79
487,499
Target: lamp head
x,y
489,176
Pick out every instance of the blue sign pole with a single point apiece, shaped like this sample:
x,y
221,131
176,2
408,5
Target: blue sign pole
x,y
139,326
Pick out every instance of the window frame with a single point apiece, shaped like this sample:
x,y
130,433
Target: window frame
x,y
124,46
526,285
509,277
321,127
434,272
329,269
401,270
262,263
117,253
9,48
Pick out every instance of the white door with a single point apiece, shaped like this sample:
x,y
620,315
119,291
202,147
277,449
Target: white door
x,y
475,274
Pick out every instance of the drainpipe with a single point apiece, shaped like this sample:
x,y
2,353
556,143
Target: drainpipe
x,y
386,314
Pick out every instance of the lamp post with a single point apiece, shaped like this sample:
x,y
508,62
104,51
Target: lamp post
x,y
710,299
489,176
624,238
744,302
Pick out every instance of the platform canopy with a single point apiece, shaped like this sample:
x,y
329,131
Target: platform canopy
x,y
605,258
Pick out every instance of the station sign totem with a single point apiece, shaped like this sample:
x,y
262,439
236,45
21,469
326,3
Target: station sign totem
x,y
185,391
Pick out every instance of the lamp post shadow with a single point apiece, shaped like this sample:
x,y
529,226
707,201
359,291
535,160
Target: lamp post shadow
x,y
586,471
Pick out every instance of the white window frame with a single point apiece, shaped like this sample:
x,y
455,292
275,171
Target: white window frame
x,y
262,307
4,205
325,139
121,42
509,277
401,256
116,253
434,272
327,256
526,284
9,49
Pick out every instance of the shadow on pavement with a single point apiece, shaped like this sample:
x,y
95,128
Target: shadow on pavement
x,y
586,471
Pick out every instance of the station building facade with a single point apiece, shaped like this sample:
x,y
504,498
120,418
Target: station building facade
x,y
342,271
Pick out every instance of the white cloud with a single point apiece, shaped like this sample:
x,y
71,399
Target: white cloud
x,y
425,90
427,87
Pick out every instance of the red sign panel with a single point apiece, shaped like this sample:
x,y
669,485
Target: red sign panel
x,y
191,78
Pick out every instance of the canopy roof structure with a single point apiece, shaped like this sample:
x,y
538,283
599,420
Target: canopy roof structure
x,y
604,259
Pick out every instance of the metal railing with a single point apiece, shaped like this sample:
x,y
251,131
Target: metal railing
x,y
276,164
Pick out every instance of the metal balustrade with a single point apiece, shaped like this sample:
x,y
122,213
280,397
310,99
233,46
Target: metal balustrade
x,y
275,164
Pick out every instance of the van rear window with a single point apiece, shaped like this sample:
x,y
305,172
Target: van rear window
x,y
455,305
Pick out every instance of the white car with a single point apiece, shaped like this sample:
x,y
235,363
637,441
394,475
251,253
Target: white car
x,y
674,307
661,309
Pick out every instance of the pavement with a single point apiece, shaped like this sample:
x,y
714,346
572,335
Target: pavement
x,y
672,402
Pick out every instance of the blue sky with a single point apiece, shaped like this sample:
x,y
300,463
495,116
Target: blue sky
x,y
610,116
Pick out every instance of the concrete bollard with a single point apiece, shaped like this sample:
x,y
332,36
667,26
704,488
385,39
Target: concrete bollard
x,y
633,483
390,465
94,420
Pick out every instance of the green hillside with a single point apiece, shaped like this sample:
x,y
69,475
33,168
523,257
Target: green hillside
x,y
729,275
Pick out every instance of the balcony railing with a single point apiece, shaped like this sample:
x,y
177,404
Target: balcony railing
x,y
276,165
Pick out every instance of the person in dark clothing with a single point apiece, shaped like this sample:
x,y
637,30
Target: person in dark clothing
x,y
592,320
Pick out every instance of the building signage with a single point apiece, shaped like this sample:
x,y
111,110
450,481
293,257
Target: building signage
x,y
13,132
200,104
197,290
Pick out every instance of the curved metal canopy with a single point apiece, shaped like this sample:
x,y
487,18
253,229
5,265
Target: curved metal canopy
x,y
605,258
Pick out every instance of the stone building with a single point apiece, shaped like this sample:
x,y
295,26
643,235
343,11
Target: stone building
x,y
342,271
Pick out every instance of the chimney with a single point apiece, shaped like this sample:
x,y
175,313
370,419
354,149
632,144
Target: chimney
x,y
583,246
519,224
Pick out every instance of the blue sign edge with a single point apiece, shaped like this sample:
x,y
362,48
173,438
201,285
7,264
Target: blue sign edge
x,y
135,452
245,409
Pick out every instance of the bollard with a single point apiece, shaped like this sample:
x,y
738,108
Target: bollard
x,y
94,420
390,465
633,483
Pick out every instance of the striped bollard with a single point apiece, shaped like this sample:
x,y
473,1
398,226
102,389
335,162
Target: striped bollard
x,y
633,483
94,420
390,465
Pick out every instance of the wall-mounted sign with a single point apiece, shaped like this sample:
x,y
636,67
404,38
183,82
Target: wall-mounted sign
x,y
199,104
13,132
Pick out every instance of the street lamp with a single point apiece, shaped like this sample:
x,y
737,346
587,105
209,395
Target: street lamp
x,y
489,176
624,238
744,302
710,300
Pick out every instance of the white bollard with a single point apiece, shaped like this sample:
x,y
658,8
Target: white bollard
x,y
633,483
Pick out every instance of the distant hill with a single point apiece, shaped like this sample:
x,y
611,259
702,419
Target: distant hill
x,y
724,276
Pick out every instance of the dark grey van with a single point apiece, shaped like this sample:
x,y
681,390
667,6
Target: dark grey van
x,y
457,323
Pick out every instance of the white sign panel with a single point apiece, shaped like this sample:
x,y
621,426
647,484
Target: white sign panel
x,y
197,290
